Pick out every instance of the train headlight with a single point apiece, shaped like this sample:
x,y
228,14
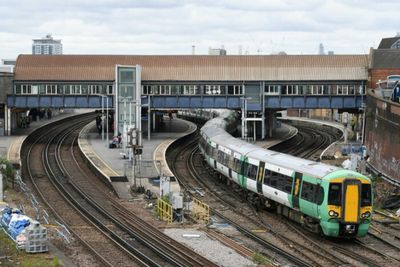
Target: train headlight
x,y
332,213
366,215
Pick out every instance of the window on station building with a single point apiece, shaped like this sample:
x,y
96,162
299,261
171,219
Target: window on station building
x,y
60,89
35,89
18,89
284,89
212,90
304,89
84,89
165,89
126,91
51,89
351,90
126,76
174,89
192,89
238,90
271,89
110,90
42,89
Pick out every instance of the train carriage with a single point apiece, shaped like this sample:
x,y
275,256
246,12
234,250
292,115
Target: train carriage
x,y
323,198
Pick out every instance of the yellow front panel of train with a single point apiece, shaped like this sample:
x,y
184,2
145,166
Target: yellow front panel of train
x,y
351,205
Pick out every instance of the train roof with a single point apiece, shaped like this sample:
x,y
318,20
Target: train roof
x,y
313,168
214,130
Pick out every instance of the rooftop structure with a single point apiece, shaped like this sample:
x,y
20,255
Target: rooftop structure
x,y
390,43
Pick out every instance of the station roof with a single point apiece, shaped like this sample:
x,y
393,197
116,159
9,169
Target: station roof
x,y
194,67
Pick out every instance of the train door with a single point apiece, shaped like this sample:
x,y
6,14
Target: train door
x,y
351,200
296,190
260,177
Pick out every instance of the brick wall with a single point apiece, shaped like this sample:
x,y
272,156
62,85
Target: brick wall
x,y
382,136
380,74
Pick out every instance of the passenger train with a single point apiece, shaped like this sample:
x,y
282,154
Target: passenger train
x,y
323,198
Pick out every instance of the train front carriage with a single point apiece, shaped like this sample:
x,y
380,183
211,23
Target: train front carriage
x,y
346,211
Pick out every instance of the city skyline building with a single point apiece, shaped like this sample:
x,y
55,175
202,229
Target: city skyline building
x,y
46,46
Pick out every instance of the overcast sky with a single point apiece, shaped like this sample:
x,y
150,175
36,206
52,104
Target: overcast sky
x,y
173,26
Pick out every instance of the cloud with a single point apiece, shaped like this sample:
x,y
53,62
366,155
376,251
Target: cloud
x,y
173,26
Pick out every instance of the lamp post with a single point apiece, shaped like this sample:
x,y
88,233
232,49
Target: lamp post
x,y
244,117
102,118
106,118
107,122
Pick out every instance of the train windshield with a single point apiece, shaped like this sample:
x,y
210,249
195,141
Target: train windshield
x,y
335,193
366,197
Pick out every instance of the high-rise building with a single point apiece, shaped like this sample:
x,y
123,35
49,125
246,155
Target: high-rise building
x,y
46,46
321,50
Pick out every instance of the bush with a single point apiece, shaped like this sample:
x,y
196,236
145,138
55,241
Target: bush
x,y
8,173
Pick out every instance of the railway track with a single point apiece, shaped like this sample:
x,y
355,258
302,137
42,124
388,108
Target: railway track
x,y
308,143
317,251
92,214
238,214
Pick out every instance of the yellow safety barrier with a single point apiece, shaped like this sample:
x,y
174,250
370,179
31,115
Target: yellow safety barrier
x,y
201,211
164,210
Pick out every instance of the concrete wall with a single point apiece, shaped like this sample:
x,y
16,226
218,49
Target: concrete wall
x,y
382,136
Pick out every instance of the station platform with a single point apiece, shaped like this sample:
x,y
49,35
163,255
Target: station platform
x,y
114,163
10,146
285,132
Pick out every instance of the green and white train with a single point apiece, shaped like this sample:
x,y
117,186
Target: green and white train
x,y
323,198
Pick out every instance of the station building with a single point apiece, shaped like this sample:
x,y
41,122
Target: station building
x,y
266,83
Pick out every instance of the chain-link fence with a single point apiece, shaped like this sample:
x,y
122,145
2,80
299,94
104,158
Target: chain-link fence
x,y
41,214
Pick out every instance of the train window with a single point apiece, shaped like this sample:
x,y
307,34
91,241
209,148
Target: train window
x,y
214,153
220,156
226,159
307,191
312,192
236,165
267,174
320,195
223,158
278,181
208,149
366,198
250,170
334,195
231,161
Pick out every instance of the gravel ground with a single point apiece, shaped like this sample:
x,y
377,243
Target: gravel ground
x,y
211,249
